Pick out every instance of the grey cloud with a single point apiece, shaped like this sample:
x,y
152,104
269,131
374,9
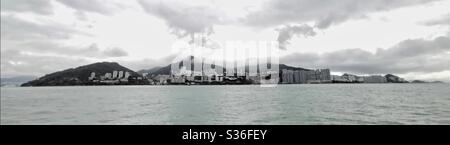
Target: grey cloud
x,y
415,47
14,63
417,55
182,19
445,20
44,37
93,6
115,52
90,51
32,48
14,28
323,12
286,33
37,6
46,57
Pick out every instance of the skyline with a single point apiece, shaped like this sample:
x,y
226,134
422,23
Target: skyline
x,y
403,37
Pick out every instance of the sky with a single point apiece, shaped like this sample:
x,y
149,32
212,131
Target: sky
x,y
409,38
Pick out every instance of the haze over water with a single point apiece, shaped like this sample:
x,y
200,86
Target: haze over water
x,y
229,104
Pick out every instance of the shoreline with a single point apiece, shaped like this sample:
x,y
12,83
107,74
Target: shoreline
x,y
219,84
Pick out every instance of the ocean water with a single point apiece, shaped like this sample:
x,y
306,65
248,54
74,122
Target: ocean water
x,y
231,104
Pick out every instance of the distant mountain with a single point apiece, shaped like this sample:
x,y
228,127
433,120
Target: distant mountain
x,y
16,81
166,70
149,71
79,75
161,71
283,66
418,81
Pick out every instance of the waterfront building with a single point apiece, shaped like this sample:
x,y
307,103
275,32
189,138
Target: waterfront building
x,y
120,75
375,79
297,77
287,76
161,79
290,76
178,79
350,78
108,76
305,76
92,76
339,79
325,74
219,78
127,74
114,75
125,77
359,79
311,75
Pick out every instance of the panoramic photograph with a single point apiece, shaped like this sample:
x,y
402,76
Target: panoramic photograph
x,y
225,62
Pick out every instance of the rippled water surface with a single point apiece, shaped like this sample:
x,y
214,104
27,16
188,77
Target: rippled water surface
x,y
243,104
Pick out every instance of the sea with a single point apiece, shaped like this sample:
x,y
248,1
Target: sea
x,y
229,104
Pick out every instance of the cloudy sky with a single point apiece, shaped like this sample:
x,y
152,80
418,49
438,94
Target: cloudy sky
x,y
409,38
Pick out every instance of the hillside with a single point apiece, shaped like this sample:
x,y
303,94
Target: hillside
x,y
149,71
79,75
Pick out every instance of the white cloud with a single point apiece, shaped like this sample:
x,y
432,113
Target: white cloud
x,y
408,56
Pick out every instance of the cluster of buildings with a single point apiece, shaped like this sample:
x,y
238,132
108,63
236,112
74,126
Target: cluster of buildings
x,y
186,76
305,76
284,76
214,78
350,78
110,78
158,80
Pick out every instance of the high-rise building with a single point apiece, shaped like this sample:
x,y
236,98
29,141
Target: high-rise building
x,y
125,77
311,75
127,74
375,79
302,76
325,74
120,75
287,76
283,76
114,75
297,77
